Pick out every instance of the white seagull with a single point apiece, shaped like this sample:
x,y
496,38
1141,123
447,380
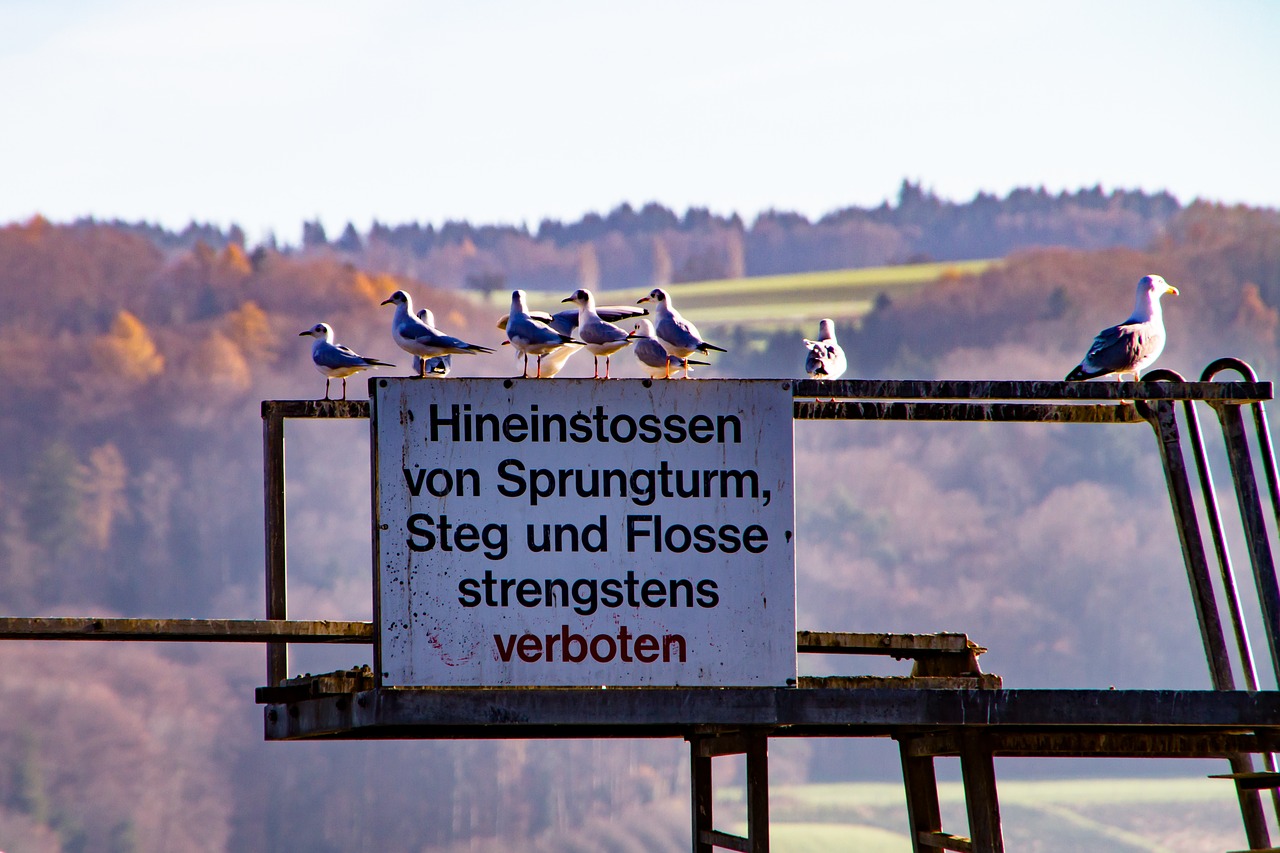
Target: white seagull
x,y
335,361
826,358
566,323
676,334
1135,343
601,337
440,365
530,336
654,358
418,338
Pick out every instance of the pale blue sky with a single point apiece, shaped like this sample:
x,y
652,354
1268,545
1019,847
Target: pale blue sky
x,y
270,112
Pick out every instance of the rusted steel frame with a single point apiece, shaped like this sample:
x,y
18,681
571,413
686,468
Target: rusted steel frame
x,y
1163,419
1097,744
274,413
702,749
1256,537
1259,547
878,389
185,630
993,412
702,798
1265,448
679,711
897,645
1262,434
978,768
274,526
315,409
758,792
920,784
1226,570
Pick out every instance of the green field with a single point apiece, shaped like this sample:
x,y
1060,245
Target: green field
x,y
1097,815
774,301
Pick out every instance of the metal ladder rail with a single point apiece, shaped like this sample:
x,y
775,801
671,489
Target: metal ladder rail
x,y
1162,416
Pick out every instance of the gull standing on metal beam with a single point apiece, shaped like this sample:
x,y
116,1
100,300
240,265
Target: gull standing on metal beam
x,y
530,336
415,337
654,358
335,361
1133,344
438,366
602,338
674,332
566,323
826,358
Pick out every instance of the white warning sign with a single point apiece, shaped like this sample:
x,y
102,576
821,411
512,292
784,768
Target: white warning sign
x,y
580,532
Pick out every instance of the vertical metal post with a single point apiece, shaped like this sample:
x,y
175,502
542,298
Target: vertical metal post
x,y
273,475
1255,527
978,766
758,792
700,791
924,815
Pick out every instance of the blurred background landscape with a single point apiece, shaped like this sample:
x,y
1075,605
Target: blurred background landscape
x,y
130,469
184,191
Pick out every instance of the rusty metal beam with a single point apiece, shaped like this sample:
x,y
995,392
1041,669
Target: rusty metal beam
x,y
988,412
438,712
315,409
885,389
895,645
185,630
1099,744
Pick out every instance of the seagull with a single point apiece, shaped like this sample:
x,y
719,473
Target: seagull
x,y
420,338
440,365
826,359
1135,343
654,359
676,334
530,336
566,322
334,360
601,337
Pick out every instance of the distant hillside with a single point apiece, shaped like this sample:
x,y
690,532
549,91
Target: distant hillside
x,y
628,248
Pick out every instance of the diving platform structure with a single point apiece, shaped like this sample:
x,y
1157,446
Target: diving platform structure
x,y
945,707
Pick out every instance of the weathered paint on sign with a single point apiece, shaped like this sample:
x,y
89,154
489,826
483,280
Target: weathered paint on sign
x,y
579,532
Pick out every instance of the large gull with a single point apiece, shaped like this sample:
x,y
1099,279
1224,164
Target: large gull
x,y
601,337
1132,345
334,361
419,338
530,336
673,331
653,356
826,358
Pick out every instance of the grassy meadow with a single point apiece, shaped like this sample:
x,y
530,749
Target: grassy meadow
x,y
1192,814
779,301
